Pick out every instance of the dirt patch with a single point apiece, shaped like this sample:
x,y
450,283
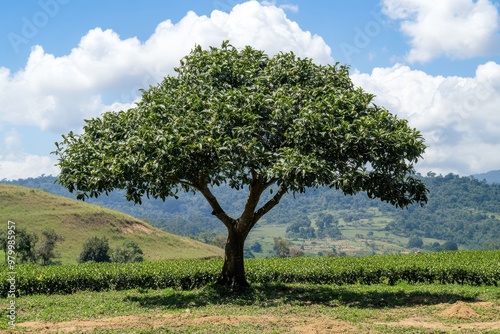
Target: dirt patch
x,y
179,321
287,324
425,323
128,321
136,227
459,310
417,322
325,326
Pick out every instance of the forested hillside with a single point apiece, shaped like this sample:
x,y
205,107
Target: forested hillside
x,y
463,210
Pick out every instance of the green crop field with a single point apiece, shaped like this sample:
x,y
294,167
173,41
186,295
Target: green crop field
x,y
459,267
446,292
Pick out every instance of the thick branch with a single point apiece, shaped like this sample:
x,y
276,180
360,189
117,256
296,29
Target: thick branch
x,y
217,209
257,187
255,190
270,204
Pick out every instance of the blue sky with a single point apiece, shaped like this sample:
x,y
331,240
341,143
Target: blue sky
x,y
435,64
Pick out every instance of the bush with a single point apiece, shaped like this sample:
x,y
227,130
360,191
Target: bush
x,y
96,250
130,252
45,250
25,245
415,242
256,247
450,246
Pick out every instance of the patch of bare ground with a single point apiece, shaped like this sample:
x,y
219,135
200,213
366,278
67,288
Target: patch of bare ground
x,y
442,317
325,326
458,310
179,321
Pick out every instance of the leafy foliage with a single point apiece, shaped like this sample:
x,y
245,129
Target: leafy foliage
x,y
95,249
25,243
460,209
301,229
415,242
46,248
130,252
229,112
282,247
244,119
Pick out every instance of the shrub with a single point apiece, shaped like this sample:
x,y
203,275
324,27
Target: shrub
x,y
45,250
96,250
415,242
130,252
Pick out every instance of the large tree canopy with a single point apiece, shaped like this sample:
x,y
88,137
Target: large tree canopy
x,y
242,118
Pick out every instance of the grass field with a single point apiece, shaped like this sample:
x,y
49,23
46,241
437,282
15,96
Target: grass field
x,y
266,308
36,210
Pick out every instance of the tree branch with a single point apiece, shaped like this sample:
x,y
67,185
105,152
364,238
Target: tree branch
x,y
217,209
270,204
269,183
255,190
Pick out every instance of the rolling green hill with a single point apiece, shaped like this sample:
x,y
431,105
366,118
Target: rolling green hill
x,y
36,210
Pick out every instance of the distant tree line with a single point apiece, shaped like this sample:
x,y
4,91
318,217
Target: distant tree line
x,y
31,248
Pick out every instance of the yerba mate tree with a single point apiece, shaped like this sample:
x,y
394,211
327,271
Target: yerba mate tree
x,y
255,123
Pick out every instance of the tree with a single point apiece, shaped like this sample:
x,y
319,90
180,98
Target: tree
x,y
25,245
282,247
130,252
219,241
415,242
256,247
296,252
247,120
301,229
45,249
95,249
450,246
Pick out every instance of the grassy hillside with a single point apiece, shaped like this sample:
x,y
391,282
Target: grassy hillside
x,y
76,221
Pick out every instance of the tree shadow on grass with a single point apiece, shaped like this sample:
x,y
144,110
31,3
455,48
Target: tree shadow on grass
x,y
268,295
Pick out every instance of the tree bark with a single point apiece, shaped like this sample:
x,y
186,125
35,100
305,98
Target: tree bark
x,y
233,270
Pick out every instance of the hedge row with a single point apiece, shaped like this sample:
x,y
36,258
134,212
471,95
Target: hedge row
x,y
462,267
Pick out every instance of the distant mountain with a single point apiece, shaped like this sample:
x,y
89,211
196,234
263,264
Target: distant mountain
x,y
36,210
490,177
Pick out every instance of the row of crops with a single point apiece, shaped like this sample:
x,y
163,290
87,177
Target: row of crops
x,y
459,267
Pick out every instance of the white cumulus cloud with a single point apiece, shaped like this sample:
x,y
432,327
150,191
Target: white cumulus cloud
x,y
105,72
458,116
22,166
453,28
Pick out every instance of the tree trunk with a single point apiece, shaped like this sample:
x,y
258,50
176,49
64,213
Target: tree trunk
x,y
233,271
